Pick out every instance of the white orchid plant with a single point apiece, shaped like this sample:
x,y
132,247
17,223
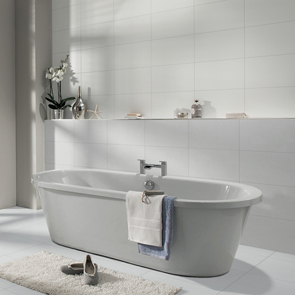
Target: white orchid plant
x,y
56,74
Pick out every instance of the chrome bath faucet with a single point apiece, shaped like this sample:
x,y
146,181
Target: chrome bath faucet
x,y
144,166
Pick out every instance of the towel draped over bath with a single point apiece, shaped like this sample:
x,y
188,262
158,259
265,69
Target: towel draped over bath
x,y
162,252
144,219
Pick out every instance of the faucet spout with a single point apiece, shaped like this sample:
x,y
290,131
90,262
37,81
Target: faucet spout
x,y
144,166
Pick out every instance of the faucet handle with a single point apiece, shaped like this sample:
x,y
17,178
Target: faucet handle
x,y
163,168
141,161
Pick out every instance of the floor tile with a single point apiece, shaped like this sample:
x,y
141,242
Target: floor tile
x,y
6,292
257,285
10,244
253,250
188,288
5,284
276,269
246,261
36,232
283,256
16,289
217,283
5,259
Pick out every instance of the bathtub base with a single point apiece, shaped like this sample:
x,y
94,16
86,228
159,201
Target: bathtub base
x,y
204,242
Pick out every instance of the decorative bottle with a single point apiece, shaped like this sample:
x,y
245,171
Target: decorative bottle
x,y
79,109
196,110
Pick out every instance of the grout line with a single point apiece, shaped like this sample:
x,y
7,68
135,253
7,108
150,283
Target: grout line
x,y
151,60
239,143
244,56
277,218
107,143
113,71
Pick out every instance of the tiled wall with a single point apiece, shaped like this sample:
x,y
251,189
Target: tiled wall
x,y
252,151
152,56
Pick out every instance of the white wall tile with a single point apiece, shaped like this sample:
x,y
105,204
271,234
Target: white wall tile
x,y
214,164
105,104
221,15
219,45
270,102
69,86
227,74
93,12
87,131
131,8
60,153
136,80
173,78
268,11
56,4
164,104
177,160
74,61
125,157
128,132
60,130
217,103
267,168
201,2
270,135
163,5
270,71
66,18
175,50
270,39
66,41
58,167
132,55
132,103
97,59
89,155
167,133
268,233
173,23
214,134
98,35
134,29
98,83
277,202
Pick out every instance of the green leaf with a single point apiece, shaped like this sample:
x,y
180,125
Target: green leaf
x,y
52,101
53,107
51,96
67,99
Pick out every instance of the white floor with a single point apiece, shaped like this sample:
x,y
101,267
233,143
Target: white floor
x,y
254,271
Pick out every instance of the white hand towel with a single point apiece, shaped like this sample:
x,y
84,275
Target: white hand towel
x,y
144,219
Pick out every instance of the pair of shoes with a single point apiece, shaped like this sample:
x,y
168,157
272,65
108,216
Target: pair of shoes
x,y
89,270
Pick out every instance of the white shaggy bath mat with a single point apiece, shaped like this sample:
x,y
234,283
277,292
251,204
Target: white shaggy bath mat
x,y
41,272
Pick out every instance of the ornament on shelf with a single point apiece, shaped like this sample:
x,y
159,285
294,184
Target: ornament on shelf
x,y
94,113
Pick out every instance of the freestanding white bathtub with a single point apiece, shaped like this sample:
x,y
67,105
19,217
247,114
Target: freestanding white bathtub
x,y
85,210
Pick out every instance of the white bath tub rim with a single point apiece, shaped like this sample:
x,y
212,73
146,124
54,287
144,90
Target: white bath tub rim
x,y
253,195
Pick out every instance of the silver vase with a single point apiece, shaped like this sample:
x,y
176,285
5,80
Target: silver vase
x,y
79,109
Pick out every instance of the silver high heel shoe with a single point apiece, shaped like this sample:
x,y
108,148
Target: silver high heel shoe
x,y
90,272
73,268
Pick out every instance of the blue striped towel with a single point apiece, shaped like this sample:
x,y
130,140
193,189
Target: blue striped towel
x,y
167,232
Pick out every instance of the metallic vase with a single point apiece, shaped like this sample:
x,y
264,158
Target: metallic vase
x,y
58,114
79,109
